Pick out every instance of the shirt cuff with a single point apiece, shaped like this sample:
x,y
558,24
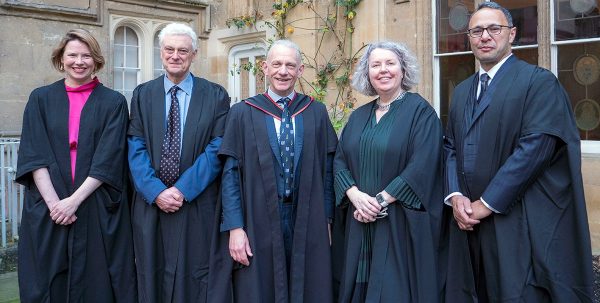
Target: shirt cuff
x,y
488,206
447,199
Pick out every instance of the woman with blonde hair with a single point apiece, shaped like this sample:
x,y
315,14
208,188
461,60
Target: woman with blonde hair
x,y
75,238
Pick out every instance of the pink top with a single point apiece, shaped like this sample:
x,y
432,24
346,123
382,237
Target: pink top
x,y
77,98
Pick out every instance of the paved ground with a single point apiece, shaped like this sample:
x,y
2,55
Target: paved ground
x,y
9,288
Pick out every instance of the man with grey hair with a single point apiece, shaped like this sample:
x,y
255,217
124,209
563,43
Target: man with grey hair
x,y
177,122
520,230
277,193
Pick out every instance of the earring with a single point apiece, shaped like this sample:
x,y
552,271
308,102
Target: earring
x,y
61,67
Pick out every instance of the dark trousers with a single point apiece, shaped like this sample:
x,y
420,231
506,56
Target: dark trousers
x,y
287,215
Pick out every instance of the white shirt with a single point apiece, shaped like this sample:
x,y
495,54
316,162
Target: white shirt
x,y
276,98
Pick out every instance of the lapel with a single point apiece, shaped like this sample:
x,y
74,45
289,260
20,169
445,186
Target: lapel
x,y
265,160
298,139
470,96
498,84
269,107
158,122
90,109
271,133
58,104
197,101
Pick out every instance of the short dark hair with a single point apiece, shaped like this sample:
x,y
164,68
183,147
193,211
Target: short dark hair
x,y
84,37
494,5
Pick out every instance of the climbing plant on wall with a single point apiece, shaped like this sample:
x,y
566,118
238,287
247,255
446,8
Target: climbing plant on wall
x,y
332,62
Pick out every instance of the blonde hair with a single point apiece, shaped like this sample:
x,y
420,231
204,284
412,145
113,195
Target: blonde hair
x,y
84,37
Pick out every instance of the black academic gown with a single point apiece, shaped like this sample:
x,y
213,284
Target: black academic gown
x,y
172,249
265,280
90,260
539,250
407,240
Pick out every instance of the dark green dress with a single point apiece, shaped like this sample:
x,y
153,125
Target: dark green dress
x,y
380,146
373,144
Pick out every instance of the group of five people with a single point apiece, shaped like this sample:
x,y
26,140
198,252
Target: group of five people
x,y
261,203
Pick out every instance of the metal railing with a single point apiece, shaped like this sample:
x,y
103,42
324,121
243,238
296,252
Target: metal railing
x,y
11,193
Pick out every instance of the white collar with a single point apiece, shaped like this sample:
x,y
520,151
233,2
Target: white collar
x,y
492,72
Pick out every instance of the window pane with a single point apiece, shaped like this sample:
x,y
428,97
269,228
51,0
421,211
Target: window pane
x,y
130,37
119,51
120,35
132,56
453,70
130,79
452,25
260,76
529,55
579,73
576,19
244,78
128,95
118,79
156,61
525,18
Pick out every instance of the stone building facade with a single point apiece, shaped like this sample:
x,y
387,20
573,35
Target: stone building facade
x,y
561,35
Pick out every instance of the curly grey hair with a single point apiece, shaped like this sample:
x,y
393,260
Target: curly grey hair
x,y
178,29
408,62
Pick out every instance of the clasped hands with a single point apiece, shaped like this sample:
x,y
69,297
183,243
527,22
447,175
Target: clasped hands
x,y
170,200
63,212
367,207
466,213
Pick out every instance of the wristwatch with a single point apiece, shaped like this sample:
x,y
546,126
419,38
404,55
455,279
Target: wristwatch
x,y
381,200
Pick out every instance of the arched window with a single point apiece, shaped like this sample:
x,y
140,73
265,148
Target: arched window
x,y
126,74
157,67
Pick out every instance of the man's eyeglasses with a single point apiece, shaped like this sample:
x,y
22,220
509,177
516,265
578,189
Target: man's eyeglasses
x,y
494,29
181,51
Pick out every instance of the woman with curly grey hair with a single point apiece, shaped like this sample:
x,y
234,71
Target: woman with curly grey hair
x,y
387,184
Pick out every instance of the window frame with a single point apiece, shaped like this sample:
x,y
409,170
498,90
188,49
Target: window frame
x,y
145,29
236,53
125,68
587,146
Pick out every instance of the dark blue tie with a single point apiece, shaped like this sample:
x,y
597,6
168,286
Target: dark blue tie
x,y
483,80
286,147
169,159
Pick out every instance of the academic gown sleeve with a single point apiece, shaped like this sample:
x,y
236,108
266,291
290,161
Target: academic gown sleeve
x,y
34,149
108,150
207,167
451,184
231,196
536,147
342,177
413,186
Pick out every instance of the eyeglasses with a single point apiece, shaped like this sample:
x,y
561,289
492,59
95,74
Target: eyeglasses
x,y
493,29
181,51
